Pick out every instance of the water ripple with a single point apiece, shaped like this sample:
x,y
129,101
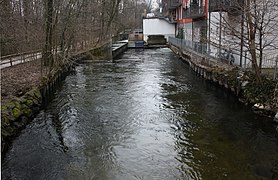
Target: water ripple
x,y
146,116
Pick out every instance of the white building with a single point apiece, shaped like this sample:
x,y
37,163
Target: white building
x,y
158,26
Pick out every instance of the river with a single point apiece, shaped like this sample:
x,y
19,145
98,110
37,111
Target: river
x,y
144,116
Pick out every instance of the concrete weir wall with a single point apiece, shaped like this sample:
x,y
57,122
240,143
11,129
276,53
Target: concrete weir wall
x,y
18,112
118,49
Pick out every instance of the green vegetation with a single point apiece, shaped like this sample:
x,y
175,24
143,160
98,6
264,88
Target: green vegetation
x,y
260,93
15,113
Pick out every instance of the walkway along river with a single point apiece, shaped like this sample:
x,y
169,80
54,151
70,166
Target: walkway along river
x,y
145,116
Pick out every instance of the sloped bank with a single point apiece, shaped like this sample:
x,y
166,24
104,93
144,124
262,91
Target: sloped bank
x,y
262,98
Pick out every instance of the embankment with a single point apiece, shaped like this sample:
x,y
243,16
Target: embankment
x,y
262,98
17,112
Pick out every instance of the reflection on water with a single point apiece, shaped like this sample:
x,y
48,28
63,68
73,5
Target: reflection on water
x,y
146,116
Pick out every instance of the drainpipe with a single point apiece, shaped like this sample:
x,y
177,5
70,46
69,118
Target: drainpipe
x,y
245,60
220,32
193,35
209,29
241,37
276,68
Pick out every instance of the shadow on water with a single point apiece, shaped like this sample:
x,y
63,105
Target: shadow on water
x,y
145,116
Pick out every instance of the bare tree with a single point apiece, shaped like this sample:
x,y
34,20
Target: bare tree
x,y
251,25
47,51
60,28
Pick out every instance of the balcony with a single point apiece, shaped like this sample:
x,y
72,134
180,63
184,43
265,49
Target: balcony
x,y
174,4
231,6
194,12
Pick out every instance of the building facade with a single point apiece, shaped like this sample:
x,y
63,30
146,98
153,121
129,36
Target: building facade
x,y
213,26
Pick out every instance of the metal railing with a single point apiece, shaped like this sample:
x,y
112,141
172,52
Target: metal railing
x,y
234,7
211,51
13,59
198,47
174,4
215,53
194,11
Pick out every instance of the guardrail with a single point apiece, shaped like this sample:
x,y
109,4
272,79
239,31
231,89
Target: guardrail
x,y
18,58
14,59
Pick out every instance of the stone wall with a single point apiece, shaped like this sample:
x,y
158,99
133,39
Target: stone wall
x,y
16,114
233,79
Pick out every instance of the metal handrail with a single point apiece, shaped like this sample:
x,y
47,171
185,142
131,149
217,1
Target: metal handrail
x,y
19,54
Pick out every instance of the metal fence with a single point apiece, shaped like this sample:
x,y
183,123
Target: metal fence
x,y
232,56
14,59
182,43
201,48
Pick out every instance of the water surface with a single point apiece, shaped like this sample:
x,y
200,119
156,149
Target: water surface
x,y
145,116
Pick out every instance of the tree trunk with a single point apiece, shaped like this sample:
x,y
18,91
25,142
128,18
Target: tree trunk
x,y
47,51
26,17
252,43
261,50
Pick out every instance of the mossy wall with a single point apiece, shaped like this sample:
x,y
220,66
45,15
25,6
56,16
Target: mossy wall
x,y
17,113
233,79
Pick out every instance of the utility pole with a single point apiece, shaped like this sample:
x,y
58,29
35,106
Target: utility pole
x,y
209,29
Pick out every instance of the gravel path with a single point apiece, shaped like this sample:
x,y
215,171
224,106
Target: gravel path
x,y
18,79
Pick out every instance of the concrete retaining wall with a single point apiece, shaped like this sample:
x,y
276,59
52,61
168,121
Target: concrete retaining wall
x,y
229,77
119,50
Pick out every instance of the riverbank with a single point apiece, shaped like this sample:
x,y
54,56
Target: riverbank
x,y
147,115
26,88
25,96
262,98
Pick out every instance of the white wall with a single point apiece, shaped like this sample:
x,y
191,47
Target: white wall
x,y
157,26
227,40
188,31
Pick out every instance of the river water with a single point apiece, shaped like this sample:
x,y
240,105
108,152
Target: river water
x,y
145,116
